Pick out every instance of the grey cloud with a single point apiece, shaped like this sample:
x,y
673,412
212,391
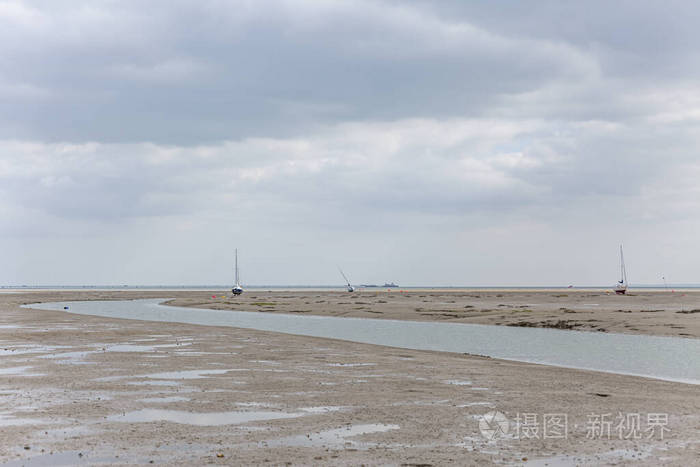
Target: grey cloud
x,y
631,39
177,73
452,168
303,131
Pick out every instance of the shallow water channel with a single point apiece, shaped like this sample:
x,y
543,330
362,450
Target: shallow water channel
x,y
668,358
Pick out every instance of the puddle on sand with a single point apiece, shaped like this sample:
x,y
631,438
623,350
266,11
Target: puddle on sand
x,y
64,433
256,404
200,418
351,364
458,382
67,458
138,347
18,371
10,420
28,349
187,374
474,404
336,438
177,344
38,399
154,383
164,400
192,353
130,348
71,358
323,409
168,375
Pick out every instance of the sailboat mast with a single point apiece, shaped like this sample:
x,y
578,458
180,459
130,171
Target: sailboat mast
x,y
623,273
237,282
343,274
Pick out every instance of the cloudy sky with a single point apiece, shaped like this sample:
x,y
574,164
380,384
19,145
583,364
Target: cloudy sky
x,y
426,143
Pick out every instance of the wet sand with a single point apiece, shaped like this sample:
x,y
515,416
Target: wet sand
x,y
97,390
639,312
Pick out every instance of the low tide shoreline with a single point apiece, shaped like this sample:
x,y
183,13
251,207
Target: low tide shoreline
x,y
67,380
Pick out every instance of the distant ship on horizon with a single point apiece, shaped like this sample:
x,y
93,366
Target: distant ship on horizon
x,y
387,284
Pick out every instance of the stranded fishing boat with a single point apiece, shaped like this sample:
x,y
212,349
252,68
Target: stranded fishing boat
x,y
621,286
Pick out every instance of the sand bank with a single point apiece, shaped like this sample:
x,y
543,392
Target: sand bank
x,y
639,312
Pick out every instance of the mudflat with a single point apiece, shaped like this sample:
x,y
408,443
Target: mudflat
x,y
82,389
639,312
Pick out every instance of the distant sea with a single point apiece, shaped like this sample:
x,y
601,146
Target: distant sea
x,y
333,287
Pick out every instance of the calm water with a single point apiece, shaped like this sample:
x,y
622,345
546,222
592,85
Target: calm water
x,y
668,358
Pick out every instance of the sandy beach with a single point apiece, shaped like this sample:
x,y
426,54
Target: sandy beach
x,y
90,390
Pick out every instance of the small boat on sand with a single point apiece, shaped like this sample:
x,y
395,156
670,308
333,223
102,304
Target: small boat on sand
x,y
237,289
350,288
621,286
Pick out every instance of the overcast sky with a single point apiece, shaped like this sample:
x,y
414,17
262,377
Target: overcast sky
x,y
426,143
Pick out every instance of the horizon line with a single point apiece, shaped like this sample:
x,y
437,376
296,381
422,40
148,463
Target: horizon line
x,y
372,286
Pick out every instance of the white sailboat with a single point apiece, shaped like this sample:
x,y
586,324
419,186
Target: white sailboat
x,y
621,286
237,289
350,287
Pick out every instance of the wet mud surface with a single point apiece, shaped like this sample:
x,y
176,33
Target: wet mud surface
x,y
80,390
